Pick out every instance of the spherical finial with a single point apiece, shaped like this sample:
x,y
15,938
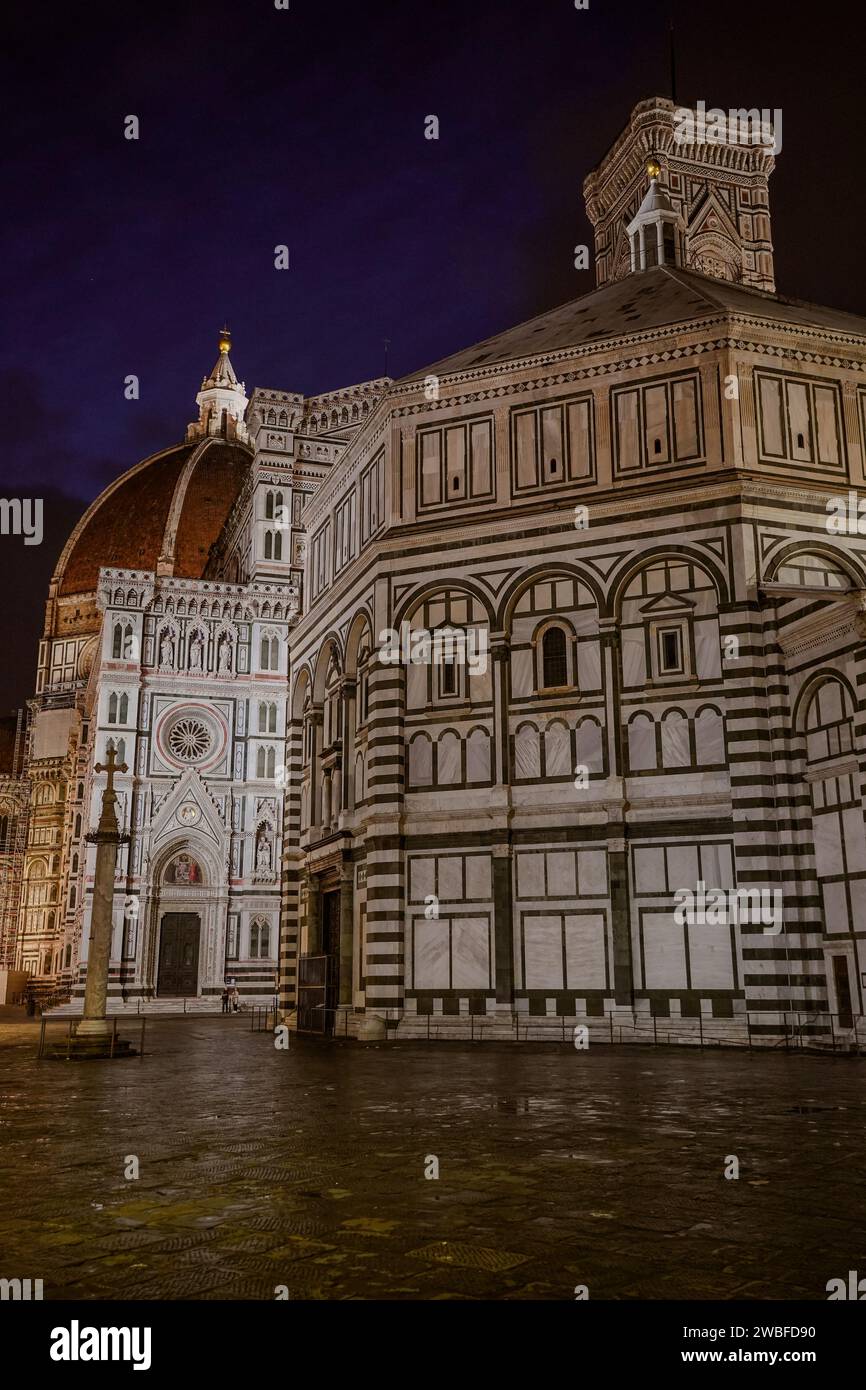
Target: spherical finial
x,y
653,168
225,339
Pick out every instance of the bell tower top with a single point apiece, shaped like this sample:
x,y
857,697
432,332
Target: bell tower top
x,y
222,401
709,171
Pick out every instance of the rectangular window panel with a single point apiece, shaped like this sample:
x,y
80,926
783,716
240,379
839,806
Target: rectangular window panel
x,y
455,453
232,938
585,961
470,953
482,473
552,460
527,473
799,422
580,441
431,483
772,438
826,423
628,452
686,444
656,426
542,945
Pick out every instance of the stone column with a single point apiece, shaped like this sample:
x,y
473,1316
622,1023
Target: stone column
x,y
107,838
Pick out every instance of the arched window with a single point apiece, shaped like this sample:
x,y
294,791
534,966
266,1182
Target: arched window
x,y
265,654
278,545
75,863
275,655
420,761
260,939
117,641
709,738
675,740
77,831
260,763
263,716
79,794
128,641
557,750
72,897
449,770
124,709
278,504
112,708
271,762
269,545
50,921
642,753
121,749
554,661
269,506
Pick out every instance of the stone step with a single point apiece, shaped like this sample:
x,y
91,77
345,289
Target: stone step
x,y
134,1008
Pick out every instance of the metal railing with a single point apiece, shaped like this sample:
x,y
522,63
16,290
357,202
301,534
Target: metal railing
x,y
791,1031
71,1027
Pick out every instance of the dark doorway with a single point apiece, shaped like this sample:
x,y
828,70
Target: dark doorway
x,y
331,948
319,976
178,954
843,991
331,924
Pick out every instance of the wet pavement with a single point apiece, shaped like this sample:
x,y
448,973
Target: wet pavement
x,y
304,1170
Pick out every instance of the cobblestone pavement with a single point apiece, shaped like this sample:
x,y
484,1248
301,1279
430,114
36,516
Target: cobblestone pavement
x,y
305,1168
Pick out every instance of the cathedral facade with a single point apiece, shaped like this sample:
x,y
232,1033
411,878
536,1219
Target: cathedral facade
x,y
527,686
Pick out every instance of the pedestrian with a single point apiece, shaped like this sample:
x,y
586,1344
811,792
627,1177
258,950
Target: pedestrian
x,y
225,999
236,1000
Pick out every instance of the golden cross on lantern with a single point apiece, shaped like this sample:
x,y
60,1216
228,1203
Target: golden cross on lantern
x,y
111,766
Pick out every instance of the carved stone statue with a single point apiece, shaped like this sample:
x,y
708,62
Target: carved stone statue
x,y
263,856
225,655
195,653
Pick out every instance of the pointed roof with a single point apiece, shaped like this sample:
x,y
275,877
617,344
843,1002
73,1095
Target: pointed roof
x,y
223,374
662,296
655,200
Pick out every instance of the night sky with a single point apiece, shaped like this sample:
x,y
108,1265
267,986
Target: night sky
x,y
306,127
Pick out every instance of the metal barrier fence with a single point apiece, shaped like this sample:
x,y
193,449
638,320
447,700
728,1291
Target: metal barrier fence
x,y
788,1031
795,1031
70,1026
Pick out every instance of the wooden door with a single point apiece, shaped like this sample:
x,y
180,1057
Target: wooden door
x,y
178,954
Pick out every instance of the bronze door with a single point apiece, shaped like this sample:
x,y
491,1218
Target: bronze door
x,y
178,954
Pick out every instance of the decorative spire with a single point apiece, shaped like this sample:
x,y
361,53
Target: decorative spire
x,y
655,232
221,401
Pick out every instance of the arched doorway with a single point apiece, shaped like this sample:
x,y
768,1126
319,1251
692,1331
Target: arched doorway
x,y
180,923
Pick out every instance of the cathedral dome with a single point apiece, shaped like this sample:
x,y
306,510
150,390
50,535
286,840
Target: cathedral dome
x,y
164,514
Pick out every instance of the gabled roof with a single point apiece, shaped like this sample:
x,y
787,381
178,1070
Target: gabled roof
x,y
648,299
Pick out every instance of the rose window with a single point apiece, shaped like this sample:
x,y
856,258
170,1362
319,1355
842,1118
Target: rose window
x,y
190,740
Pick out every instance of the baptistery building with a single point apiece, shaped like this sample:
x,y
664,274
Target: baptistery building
x,y
526,687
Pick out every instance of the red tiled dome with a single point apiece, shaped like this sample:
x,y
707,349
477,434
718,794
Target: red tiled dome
x,y
172,504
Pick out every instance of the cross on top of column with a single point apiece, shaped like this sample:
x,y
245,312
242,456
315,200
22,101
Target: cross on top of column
x,y
111,765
